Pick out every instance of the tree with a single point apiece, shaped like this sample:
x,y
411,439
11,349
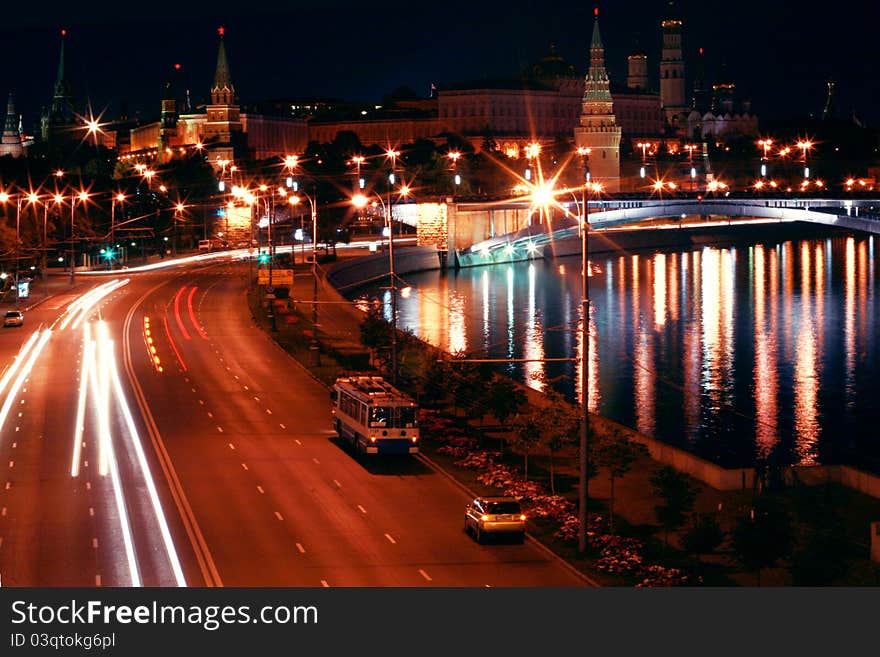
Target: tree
x,y
527,436
616,453
559,426
703,536
678,495
505,398
762,537
375,332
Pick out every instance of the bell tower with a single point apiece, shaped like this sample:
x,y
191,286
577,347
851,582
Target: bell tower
x,y
672,82
597,128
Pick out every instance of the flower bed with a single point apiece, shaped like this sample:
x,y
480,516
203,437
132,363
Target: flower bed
x,y
616,554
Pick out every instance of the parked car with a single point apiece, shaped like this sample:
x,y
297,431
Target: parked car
x,y
13,318
486,516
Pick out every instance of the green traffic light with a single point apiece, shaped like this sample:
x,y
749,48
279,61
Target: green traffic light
x,y
264,258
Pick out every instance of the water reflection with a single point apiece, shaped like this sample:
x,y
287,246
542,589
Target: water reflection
x,y
730,352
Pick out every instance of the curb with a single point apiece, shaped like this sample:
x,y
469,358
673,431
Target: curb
x,y
543,548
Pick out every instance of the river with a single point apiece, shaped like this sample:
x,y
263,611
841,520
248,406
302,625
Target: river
x,y
758,350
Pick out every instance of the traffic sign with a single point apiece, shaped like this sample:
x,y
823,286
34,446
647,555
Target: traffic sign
x,y
279,277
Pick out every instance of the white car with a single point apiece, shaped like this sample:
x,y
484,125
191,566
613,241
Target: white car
x,y
13,318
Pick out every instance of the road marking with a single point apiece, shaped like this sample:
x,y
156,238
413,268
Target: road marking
x,y
24,389
268,411
363,510
260,488
88,485
231,446
193,389
85,464
337,483
425,575
297,441
256,398
17,428
14,445
279,516
246,388
227,367
3,511
244,465
202,402
210,414
1,541
300,548
91,511
282,426
8,485
95,543
388,536
20,414
317,462
22,401
325,584
11,463
235,376
220,429
186,378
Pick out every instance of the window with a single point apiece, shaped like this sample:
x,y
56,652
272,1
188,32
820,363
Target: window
x,y
504,507
379,416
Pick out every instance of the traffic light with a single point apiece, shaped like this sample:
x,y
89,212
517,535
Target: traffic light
x,y
108,254
264,258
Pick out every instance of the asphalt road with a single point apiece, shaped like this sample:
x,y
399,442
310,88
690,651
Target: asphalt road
x,y
206,458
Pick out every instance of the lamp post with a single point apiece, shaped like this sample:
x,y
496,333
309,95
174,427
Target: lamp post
x,y
118,198
82,197
360,201
175,218
4,199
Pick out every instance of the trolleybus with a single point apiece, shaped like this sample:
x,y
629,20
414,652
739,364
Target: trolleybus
x,y
374,416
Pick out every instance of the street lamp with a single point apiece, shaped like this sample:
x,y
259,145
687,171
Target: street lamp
x,y
82,197
118,198
178,209
360,201
313,205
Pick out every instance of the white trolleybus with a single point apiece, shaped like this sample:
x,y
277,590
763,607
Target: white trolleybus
x,y
374,416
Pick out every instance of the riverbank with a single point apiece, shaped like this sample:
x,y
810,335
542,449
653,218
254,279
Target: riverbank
x,y
341,349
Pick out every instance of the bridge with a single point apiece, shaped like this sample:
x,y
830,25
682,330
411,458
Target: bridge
x,y
862,214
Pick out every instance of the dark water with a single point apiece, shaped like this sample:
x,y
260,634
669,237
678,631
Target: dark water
x,y
766,349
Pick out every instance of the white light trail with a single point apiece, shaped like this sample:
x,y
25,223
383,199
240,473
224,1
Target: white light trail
x,y
19,359
81,307
148,477
23,372
81,402
106,451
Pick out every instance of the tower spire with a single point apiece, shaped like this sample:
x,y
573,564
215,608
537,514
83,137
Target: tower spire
x,y
223,90
597,129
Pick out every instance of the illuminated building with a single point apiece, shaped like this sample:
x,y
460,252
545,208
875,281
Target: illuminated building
x,y
11,141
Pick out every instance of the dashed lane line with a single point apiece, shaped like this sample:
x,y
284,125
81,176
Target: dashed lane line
x,y
425,575
388,536
279,516
301,549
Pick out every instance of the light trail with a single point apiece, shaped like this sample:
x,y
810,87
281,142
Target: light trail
x,y
19,359
106,453
145,470
79,427
177,313
173,345
192,315
81,307
23,372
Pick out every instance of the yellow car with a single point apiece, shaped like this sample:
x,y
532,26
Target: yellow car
x,y
486,516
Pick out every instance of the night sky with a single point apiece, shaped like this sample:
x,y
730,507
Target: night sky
x,y
364,50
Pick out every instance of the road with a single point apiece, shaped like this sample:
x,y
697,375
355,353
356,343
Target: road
x,y
206,457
